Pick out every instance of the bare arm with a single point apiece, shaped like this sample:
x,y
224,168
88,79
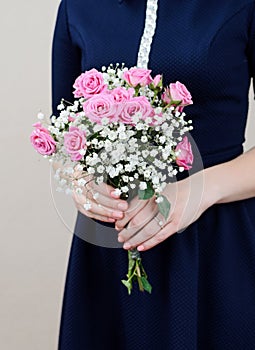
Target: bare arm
x,y
233,180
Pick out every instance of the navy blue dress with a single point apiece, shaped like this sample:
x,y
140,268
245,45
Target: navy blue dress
x,y
203,279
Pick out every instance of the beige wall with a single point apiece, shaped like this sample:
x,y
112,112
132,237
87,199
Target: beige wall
x,y
34,241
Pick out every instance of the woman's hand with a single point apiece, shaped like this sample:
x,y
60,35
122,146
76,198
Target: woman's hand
x,y
148,228
98,202
134,207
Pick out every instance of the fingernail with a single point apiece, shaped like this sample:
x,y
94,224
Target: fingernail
x,y
117,215
113,194
111,220
120,239
127,246
117,228
140,248
123,206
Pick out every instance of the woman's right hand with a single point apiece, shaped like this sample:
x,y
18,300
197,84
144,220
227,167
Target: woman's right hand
x,y
96,202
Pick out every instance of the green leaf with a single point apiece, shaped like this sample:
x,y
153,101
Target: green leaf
x,y
176,102
164,207
128,285
161,82
146,285
146,194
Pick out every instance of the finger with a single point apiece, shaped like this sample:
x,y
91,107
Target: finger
x,y
159,237
103,188
95,216
135,206
146,233
136,226
96,208
102,196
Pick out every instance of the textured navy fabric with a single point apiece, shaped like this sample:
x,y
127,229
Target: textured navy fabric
x,y
203,279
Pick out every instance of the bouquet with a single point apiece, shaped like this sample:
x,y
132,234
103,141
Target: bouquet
x,y
126,129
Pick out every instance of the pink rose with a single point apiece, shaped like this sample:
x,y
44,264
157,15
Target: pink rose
x,y
136,105
184,154
74,141
166,96
157,80
137,76
177,92
42,140
121,94
101,106
71,119
89,84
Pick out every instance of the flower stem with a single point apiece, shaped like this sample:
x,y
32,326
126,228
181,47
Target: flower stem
x,y
136,272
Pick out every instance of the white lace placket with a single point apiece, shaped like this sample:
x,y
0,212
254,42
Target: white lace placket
x,y
148,34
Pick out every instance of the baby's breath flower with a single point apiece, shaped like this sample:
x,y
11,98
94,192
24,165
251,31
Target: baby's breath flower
x,y
100,180
143,185
60,107
124,189
162,139
63,182
155,180
125,178
91,170
128,167
81,182
78,191
79,167
148,120
40,116
123,136
82,152
159,199
100,169
140,126
87,206
68,191
154,152
147,173
105,121
117,192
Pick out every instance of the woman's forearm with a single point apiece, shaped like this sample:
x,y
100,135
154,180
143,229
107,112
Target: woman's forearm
x,y
233,180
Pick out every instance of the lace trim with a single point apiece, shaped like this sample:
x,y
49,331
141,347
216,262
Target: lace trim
x,y
149,31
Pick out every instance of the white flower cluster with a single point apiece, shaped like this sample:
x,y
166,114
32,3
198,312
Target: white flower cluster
x,y
127,155
113,75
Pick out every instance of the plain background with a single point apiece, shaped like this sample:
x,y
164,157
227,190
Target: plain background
x,y
36,222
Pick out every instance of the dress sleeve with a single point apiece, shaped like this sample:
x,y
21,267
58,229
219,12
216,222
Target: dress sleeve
x,y
66,60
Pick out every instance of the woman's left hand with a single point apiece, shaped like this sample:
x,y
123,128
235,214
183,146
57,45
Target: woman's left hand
x,y
148,227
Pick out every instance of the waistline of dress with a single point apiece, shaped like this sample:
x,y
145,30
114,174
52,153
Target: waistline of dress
x,y
218,157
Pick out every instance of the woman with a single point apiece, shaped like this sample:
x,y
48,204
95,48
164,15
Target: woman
x,y
203,279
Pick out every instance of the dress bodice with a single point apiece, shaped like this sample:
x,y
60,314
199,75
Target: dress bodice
x,y
208,46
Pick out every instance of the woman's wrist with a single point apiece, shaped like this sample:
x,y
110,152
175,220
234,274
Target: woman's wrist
x,y
213,185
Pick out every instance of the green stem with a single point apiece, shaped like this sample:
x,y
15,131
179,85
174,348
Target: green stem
x,y
137,268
